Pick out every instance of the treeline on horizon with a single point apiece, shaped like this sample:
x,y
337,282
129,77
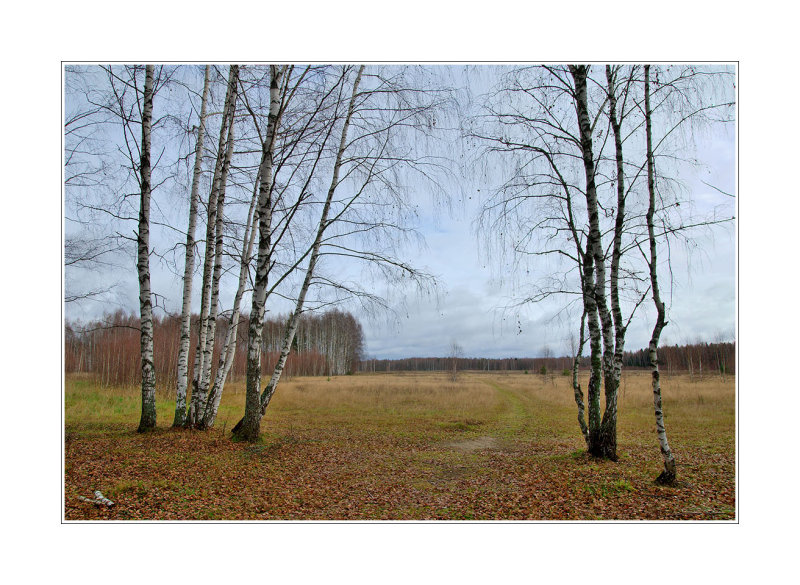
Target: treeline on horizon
x,y
327,344
696,358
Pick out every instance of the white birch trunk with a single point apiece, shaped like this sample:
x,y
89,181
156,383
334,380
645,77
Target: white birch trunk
x,y
613,374
594,271
229,349
250,426
205,378
148,418
291,329
188,272
576,387
220,171
669,475
294,321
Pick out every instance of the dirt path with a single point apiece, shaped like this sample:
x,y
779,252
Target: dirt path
x,y
515,419
477,444
510,424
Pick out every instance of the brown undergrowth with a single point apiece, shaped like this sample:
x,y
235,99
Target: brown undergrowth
x,y
490,446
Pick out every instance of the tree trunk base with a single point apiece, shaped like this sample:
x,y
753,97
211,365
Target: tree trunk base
x,y
669,476
250,433
237,428
146,427
247,436
667,479
606,452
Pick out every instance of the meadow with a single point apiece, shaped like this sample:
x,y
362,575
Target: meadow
x,y
404,446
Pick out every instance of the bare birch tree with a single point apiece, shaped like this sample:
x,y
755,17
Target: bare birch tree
x,y
367,157
229,347
669,474
148,418
577,352
291,328
188,273
212,267
251,425
547,120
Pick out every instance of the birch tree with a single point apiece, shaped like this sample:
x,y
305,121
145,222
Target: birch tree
x,y
669,474
253,426
577,352
212,266
291,328
229,347
365,162
540,123
301,144
148,417
547,121
252,417
188,273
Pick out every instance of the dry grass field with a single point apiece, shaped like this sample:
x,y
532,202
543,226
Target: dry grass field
x,y
407,446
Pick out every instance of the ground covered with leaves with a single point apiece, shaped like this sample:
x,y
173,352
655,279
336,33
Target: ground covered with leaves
x,y
404,447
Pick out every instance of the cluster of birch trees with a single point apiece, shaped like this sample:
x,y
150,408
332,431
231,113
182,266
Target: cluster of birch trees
x,y
296,172
591,199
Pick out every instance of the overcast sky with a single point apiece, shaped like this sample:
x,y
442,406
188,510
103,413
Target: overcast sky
x,y
701,302
471,304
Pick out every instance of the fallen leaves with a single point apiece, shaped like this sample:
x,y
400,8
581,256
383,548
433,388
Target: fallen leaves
x,y
523,460
174,475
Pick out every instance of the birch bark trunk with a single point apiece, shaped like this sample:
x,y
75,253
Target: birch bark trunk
x,y
613,374
601,334
148,418
205,378
208,324
186,308
250,426
291,329
669,475
229,349
294,321
576,387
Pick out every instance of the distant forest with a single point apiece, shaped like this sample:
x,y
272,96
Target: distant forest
x,y
697,358
328,344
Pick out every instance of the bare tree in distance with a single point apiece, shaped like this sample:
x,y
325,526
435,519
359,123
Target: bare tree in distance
x,y
545,371
455,352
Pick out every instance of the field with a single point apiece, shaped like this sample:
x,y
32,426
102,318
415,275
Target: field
x,y
409,446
